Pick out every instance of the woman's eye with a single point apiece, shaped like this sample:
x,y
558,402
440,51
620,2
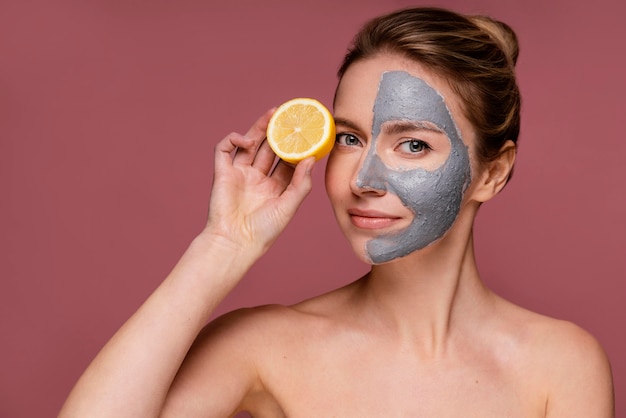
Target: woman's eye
x,y
414,146
348,140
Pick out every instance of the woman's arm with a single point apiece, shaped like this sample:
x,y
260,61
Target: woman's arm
x,y
580,376
251,203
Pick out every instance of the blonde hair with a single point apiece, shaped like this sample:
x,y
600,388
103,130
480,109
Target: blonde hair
x,y
476,54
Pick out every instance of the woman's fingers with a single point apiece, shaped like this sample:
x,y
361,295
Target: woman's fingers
x,y
299,181
252,150
260,126
283,173
232,142
288,175
264,159
256,133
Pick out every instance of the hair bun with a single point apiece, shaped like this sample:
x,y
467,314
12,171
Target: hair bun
x,y
501,33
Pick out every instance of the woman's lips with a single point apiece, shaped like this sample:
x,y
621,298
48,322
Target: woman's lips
x,y
371,219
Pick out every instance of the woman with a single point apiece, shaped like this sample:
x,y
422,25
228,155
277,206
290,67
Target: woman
x,y
427,113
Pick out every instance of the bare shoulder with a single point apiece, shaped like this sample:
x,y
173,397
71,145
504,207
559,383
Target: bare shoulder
x,y
262,321
580,373
259,329
222,372
569,361
265,325
269,333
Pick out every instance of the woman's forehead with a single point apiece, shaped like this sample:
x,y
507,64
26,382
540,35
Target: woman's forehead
x,y
393,86
402,96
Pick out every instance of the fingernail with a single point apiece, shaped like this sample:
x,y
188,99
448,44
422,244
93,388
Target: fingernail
x,y
310,166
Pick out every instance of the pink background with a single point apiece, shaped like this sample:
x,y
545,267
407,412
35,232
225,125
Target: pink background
x,y
109,111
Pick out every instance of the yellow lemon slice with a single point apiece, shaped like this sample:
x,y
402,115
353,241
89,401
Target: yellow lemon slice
x,y
301,128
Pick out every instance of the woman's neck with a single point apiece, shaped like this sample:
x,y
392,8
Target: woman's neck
x,y
427,297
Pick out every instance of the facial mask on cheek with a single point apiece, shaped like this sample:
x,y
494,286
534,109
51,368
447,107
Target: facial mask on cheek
x,y
433,196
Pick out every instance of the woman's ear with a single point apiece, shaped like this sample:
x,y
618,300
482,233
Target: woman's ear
x,y
496,173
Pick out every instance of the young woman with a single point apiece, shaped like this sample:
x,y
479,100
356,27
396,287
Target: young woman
x,y
427,113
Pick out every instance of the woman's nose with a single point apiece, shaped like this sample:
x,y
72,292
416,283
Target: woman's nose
x,y
369,177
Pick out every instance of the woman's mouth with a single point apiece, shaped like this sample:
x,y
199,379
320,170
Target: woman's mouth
x,y
371,219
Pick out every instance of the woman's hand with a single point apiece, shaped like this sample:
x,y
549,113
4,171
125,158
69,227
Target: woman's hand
x,y
252,199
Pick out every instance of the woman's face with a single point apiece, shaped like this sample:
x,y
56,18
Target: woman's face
x,y
400,166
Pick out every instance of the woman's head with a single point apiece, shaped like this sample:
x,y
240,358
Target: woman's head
x,y
418,145
476,54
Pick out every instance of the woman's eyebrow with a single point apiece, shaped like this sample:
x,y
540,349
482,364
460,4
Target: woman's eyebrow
x,y
402,126
347,124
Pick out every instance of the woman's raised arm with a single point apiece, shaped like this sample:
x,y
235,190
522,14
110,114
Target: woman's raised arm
x,y
251,203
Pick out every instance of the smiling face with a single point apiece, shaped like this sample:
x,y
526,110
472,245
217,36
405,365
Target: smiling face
x,y
400,149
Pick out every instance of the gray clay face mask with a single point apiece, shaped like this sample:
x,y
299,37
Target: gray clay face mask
x,y
433,196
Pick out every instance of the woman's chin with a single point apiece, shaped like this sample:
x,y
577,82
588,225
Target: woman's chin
x,y
364,256
361,254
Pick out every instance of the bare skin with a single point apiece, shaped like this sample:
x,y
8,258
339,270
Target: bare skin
x,y
420,336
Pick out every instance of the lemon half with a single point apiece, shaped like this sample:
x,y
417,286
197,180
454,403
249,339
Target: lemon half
x,y
301,128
